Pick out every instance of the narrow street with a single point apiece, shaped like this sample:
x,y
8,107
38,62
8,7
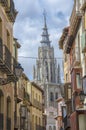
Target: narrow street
x,y
43,65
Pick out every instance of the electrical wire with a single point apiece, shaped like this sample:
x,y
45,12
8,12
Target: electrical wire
x,y
39,58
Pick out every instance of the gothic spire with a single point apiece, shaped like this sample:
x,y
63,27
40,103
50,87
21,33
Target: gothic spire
x,y
44,13
45,36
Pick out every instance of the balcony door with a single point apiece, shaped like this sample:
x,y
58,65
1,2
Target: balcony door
x,y
8,113
1,110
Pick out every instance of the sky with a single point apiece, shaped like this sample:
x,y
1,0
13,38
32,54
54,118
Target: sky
x,y
29,24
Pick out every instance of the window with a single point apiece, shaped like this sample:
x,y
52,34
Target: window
x,y
51,113
50,128
78,80
66,77
8,107
56,95
51,96
84,84
8,40
69,93
82,122
54,127
64,112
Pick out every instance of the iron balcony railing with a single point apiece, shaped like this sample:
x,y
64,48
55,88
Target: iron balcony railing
x,y
7,58
26,96
1,50
8,123
1,121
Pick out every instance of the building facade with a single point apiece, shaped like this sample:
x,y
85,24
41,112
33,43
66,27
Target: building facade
x,y
47,74
7,17
36,107
74,45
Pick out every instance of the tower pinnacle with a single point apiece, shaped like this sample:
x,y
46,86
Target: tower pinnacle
x,y
44,13
45,36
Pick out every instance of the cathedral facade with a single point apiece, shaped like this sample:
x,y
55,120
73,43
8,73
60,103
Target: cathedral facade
x,y
47,75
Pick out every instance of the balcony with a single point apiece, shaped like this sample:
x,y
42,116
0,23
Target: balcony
x,y
1,121
36,103
75,19
68,44
8,123
7,60
83,42
1,51
67,92
4,2
26,96
75,58
11,11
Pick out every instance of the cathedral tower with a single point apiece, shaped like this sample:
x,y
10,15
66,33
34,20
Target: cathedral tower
x,y
46,66
46,74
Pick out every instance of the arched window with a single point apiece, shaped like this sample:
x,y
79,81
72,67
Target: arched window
x,y
51,96
8,107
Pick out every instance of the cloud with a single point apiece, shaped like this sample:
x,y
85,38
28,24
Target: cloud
x,y
29,24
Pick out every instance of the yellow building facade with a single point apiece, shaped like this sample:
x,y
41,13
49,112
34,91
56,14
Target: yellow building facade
x,y
36,109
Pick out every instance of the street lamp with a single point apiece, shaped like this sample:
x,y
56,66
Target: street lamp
x,y
18,73
18,70
82,96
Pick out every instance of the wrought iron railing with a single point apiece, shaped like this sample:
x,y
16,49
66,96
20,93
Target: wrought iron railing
x,y
26,96
1,49
7,57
